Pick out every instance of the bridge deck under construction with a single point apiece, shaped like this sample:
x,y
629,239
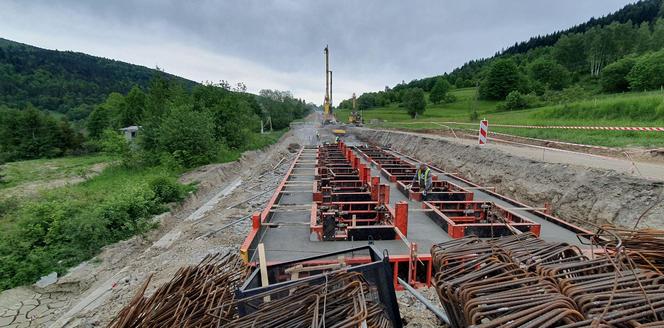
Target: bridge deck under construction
x,y
284,225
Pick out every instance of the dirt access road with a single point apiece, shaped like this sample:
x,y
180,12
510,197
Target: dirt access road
x,y
581,188
637,167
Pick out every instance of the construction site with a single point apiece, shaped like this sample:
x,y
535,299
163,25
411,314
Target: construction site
x,y
332,227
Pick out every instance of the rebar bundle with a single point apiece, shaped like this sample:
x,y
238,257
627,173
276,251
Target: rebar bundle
x,y
197,296
523,281
341,300
644,247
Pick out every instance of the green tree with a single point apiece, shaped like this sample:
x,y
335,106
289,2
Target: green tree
x,y
113,143
98,121
134,106
551,74
106,115
234,122
643,40
439,90
657,38
648,72
570,51
614,76
188,136
413,100
30,133
503,77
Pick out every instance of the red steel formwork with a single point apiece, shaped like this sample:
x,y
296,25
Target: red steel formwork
x,y
543,214
477,218
416,269
440,191
349,204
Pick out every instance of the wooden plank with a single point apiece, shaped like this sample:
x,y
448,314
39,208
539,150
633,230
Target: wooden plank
x,y
263,267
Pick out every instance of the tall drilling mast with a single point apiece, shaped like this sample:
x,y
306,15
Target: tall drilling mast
x,y
327,103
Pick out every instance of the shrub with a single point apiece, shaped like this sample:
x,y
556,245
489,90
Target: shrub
x,y
614,76
474,116
648,72
450,98
515,100
167,190
126,213
62,230
113,143
549,73
188,136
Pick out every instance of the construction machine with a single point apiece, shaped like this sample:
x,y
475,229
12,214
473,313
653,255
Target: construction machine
x,y
355,117
328,115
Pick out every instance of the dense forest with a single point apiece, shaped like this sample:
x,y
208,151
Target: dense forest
x,y
55,103
620,52
64,81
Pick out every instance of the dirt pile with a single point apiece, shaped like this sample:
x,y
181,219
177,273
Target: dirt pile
x,y
601,196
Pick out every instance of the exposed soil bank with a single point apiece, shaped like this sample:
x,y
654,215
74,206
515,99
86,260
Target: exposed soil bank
x,y
597,195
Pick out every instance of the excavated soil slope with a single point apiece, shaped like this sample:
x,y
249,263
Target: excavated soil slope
x,y
576,192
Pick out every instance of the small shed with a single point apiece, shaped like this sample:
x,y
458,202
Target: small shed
x,y
130,132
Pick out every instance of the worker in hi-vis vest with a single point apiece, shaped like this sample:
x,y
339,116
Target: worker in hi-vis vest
x,y
423,178
336,140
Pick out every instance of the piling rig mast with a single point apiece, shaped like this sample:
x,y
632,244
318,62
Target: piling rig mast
x,y
328,115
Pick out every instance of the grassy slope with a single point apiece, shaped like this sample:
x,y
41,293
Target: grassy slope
x,y
45,170
631,109
36,229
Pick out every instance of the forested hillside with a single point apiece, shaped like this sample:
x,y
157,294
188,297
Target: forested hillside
x,y
181,125
66,82
620,52
55,103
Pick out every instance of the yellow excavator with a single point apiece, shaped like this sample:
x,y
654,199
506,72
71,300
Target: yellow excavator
x,y
355,117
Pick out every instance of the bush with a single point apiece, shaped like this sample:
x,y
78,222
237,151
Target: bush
x,y
113,143
71,224
188,136
474,116
571,94
549,73
515,100
614,76
648,72
450,98
167,190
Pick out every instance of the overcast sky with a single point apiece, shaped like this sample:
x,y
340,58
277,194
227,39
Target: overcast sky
x,y
279,44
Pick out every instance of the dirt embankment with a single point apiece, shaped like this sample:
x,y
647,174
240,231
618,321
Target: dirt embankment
x,y
600,196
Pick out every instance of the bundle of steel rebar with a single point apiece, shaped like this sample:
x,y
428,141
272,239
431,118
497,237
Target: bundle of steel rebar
x,y
644,247
197,296
341,300
483,283
523,281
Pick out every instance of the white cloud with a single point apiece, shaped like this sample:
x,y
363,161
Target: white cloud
x,y
278,44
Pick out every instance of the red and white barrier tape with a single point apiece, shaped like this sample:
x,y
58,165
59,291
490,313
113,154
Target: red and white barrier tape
x,y
613,128
610,128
